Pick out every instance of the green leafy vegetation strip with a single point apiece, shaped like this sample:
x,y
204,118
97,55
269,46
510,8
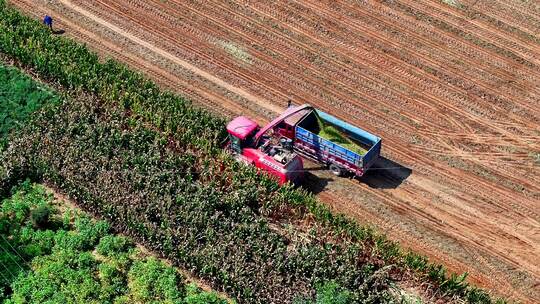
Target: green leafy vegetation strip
x,y
50,254
175,193
20,96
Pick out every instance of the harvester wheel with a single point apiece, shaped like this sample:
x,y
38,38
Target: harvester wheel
x,y
336,170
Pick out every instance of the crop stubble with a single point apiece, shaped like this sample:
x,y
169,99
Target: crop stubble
x,y
465,90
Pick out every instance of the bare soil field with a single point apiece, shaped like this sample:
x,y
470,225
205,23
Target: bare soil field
x,y
452,87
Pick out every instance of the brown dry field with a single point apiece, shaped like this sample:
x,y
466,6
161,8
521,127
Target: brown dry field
x,y
452,87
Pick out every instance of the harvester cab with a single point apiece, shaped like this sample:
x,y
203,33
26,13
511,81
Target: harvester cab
x,y
266,151
241,131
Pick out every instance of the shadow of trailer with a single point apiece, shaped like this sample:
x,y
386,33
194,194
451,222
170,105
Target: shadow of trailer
x,y
385,174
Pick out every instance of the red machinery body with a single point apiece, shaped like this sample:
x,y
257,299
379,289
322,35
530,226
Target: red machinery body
x,y
273,156
274,147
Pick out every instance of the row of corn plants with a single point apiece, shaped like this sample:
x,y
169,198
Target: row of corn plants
x,y
38,215
53,254
196,135
167,197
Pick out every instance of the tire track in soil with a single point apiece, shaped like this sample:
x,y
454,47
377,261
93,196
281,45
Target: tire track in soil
x,y
494,11
440,48
443,27
414,200
492,35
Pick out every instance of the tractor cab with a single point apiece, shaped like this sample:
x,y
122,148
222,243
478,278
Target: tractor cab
x,y
241,132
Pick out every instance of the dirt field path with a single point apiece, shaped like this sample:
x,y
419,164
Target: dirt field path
x,y
452,87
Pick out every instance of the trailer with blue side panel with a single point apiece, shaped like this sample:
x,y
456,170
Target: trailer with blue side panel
x,y
339,159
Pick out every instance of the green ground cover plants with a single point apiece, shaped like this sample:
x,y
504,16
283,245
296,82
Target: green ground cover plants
x,y
20,96
70,258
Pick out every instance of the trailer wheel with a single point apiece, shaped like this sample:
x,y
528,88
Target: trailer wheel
x,y
336,170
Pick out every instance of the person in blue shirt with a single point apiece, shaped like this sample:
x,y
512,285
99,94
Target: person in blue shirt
x,y
48,21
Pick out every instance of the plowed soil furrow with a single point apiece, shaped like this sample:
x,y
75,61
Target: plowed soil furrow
x,y
442,34
429,37
441,27
463,115
493,35
500,17
511,13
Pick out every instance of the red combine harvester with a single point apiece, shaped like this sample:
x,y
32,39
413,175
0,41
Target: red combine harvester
x,y
278,159
300,130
